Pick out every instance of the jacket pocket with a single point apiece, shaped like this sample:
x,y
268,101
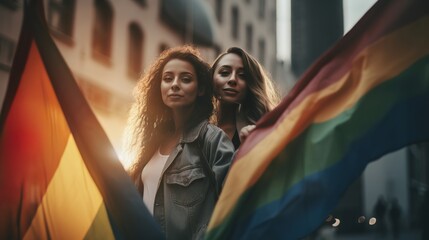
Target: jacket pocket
x,y
187,187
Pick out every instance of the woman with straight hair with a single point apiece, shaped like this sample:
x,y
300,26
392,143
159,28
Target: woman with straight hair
x,y
244,93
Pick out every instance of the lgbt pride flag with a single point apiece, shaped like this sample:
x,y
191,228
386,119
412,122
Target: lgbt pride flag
x,y
367,96
59,175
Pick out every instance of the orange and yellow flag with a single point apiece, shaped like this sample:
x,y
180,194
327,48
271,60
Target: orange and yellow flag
x,y
59,175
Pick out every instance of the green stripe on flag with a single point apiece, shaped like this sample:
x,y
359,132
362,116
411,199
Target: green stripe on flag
x,y
308,154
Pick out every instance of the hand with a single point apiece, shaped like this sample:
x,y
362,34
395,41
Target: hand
x,y
245,131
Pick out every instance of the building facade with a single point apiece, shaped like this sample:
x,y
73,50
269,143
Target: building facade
x,y
108,43
316,27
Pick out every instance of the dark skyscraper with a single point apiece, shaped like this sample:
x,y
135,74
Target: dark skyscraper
x,y
316,26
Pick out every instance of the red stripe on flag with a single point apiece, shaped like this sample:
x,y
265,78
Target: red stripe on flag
x,y
32,142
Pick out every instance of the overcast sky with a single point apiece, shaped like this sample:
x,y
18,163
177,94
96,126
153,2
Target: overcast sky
x,y
353,11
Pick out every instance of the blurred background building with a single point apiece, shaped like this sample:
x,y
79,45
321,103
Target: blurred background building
x,y
108,44
316,26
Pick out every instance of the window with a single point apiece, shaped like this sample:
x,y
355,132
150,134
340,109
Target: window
x,y
96,96
135,50
61,16
249,37
163,47
217,50
102,30
262,51
235,23
12,4
142,3
261,9
219,10
7,48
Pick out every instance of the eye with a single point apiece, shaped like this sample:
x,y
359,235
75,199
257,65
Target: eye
x,y
224,72
167,78
186,78
241,75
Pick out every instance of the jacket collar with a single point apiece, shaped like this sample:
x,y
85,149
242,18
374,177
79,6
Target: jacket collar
x,y
193,133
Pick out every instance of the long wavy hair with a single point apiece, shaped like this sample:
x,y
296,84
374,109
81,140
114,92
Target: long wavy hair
x,y
261,95
150,119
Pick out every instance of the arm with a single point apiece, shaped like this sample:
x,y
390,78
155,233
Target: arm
x,y
220,152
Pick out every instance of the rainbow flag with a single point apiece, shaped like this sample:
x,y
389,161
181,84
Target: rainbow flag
x,y
59,175
365,97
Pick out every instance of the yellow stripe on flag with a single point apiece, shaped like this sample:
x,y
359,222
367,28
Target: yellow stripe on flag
x,y
376,64
70,203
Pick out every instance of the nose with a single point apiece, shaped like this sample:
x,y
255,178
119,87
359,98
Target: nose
x,y
175,84
232,81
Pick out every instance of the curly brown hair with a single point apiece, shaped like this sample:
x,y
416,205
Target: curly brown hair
x,y
262,96
150,119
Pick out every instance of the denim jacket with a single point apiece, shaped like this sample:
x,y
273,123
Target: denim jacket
x,y
186,197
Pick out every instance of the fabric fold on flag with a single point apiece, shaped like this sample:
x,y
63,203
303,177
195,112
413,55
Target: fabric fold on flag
x,y
365,97
59,175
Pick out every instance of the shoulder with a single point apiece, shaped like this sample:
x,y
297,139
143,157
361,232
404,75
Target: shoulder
x,y
215,136
213,130
205,133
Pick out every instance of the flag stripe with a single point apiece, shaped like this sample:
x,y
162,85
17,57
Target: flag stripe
x,y
71,201
100,228
338,60
304,161
127,210
35,114
322,190
319,137
383,18
369,71
43,108
370,65
294,167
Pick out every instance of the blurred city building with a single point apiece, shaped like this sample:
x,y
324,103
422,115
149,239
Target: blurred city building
x,y
316,26
108,43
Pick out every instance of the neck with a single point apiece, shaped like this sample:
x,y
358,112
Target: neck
x,y
227,118
181,118
228,112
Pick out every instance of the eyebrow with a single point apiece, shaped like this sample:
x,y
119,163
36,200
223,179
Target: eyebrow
x,y
182,73
179,73
230,67
225,66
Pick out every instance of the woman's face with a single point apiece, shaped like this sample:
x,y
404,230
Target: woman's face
x,y
229,83
179,85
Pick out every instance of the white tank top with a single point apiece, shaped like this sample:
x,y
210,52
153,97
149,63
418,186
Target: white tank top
x,y
151,176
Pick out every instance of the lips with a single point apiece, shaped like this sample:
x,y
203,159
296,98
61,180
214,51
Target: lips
x,y
174,95
230,91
